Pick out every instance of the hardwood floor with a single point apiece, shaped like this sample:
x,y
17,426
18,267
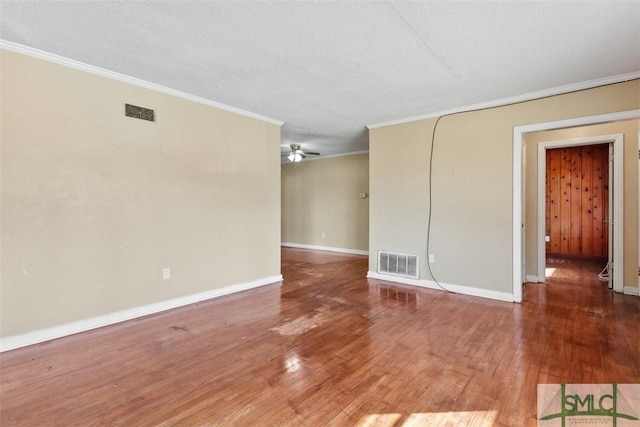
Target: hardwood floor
x,y
331,348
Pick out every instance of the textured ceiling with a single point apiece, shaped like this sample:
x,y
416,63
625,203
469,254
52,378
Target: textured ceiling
x,y
327,69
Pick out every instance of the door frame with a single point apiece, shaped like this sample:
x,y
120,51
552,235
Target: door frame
x,y
517,197
618,200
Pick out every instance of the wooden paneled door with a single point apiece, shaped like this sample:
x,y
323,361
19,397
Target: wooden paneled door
x,y
577,196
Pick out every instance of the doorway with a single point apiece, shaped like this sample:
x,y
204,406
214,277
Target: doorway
x,y
576,204
605,220
518,273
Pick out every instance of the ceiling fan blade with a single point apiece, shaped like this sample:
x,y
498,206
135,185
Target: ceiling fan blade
x,y
313,153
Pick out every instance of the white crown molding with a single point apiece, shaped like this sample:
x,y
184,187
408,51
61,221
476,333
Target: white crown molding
x,y
77,65
29,338
430,284
324,248
531,96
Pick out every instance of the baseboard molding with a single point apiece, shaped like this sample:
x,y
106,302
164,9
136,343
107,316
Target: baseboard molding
x,y
533,279
324,248
430,284
35,337
631,290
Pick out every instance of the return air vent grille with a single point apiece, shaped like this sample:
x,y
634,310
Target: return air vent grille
x,y
139,112
398,264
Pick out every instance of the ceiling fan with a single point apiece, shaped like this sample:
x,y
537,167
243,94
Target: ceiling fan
x,y
296,154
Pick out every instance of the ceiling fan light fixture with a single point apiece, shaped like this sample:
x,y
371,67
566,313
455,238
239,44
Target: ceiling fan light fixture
x,y
295,157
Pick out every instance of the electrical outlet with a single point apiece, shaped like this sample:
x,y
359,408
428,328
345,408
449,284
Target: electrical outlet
x,y
547,238
432,258
323,235
166,273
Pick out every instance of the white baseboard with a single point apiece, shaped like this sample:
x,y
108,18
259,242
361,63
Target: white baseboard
x,y
533,279
465,290
324,248
41,335
631,290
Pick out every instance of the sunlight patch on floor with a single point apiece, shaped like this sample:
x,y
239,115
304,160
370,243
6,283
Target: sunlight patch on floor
x,y
548,272
379,420
474,418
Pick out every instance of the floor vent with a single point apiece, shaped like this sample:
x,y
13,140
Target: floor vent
x,y
398,264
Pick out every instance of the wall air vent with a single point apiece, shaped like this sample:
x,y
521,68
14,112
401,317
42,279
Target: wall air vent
x,y
139,112
398,264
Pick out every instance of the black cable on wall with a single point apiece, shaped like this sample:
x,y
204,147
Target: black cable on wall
x,y
433,141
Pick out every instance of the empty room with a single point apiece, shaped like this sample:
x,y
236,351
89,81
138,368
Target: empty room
x,y
319,213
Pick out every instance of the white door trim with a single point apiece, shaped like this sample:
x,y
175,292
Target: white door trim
x,y
618,199
517,180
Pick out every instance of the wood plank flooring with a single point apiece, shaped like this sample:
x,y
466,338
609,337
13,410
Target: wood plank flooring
x,y
328,347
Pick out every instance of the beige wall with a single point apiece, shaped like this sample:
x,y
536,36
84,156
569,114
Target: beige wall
x,y
629,128
322,197
95,204
472,184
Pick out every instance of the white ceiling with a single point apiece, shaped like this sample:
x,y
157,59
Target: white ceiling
x,y
327,69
